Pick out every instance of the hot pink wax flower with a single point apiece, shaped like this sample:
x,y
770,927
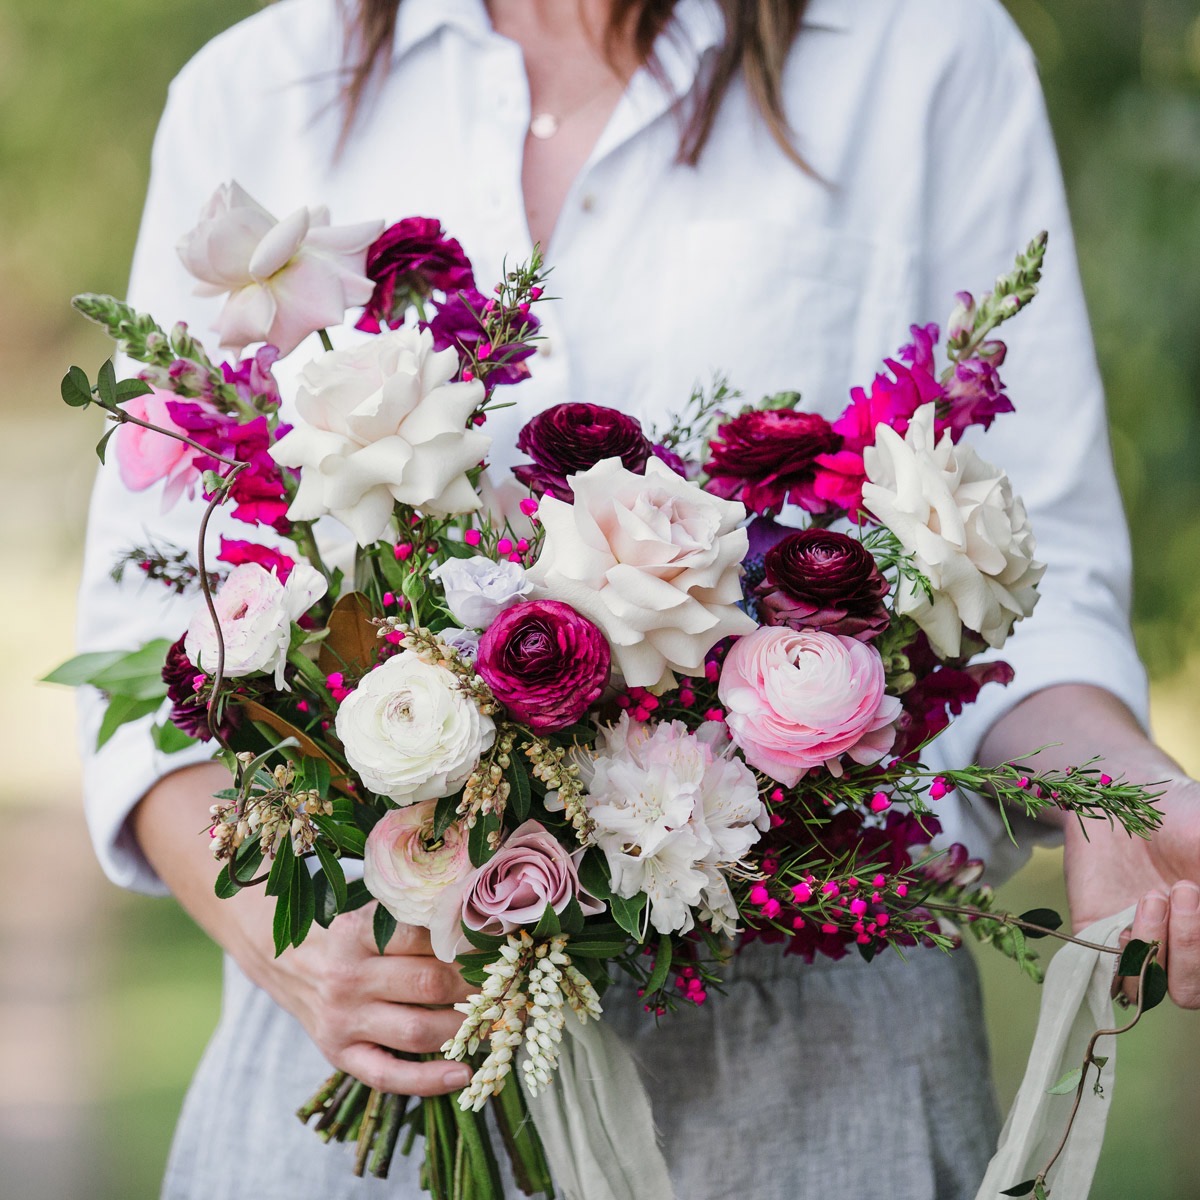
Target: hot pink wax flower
x,y
512,889
144,456
798,700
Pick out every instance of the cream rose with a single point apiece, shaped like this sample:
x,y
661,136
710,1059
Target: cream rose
x,y
410,732
382,423
406,870
285,279
653,560
967,532
256,612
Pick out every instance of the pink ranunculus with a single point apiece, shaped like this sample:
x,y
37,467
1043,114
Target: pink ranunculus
x,y
406,869
798,700
531,870
144,456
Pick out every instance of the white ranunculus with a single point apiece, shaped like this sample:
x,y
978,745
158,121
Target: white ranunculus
x,y
285,279
967,532
410,732
256,612
382,423
652,559
479,589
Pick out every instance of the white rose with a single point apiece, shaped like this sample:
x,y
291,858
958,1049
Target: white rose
x,y
410,732
653,560
285,279
967,532
382,423
479,589
256,612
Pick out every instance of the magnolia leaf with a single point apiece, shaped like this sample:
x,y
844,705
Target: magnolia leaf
x,y
1067,1084
351,643
261,715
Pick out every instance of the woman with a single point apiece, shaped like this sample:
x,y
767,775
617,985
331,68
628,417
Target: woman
x,y
647,147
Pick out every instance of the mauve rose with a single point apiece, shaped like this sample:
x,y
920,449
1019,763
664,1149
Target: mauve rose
x,y
411,259
766,458
819,579
531,870
573,437
544,662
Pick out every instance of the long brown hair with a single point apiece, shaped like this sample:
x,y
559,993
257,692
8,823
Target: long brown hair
x,y
759,34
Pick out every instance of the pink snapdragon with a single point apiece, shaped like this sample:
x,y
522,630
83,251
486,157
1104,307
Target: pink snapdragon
x,y
144,456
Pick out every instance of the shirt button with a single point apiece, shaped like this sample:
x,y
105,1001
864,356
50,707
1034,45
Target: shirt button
x,y
545,347
588,202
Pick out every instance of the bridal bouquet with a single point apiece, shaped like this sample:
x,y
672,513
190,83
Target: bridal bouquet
x,y
664,695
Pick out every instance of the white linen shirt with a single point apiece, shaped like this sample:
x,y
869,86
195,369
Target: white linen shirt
x,y
931,162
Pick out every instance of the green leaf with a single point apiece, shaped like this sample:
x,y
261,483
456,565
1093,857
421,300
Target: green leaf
x,y
102,444
593,874
519,796
571,918
357,895
333,872
303,903
1155,987
281,928
279,881
170,739
350,840
106,384
597,949
477,839
1022,1189
75,388
1068,1084
137,673
443,814
384,926
1132,957
326,904
120,711
247,860
627,913
1040,1192
129,389
1045,917
225,887
83,667
482,941
548,925
662,965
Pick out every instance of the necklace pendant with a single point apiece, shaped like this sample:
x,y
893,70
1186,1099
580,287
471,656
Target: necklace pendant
x,y
544,125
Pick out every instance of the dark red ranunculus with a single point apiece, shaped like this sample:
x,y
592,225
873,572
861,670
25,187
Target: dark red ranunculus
x,y
546,663
572,437
188,712
819,579
407,262
766,458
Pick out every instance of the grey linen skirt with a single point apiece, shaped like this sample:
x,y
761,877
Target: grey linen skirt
x,y
847,1080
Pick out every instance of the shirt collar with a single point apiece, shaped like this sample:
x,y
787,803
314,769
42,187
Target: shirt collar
x,y
417,20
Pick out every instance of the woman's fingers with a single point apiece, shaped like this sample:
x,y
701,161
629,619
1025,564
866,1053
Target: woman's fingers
x,y
1183,974
406,1027
1149,925
414,979
379,1069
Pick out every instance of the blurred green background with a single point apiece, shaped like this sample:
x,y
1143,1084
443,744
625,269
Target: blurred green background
x,y
106,998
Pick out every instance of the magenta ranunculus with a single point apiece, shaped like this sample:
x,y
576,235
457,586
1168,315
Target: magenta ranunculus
x,y
766,458
530,871
819,579
236,552
545,662
796,701
458,323
573,437
409,261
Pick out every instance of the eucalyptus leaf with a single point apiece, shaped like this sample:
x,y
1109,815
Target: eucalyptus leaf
x,y
1022,1189
1068,1084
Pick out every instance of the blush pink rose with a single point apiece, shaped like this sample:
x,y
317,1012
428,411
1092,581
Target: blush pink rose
x,y
144,456
406,870
800,699
531,870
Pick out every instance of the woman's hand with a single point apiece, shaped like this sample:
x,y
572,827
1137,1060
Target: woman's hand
x,y
352,1000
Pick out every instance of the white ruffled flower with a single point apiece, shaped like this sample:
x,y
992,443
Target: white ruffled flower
x,y
967,532
465,641
671,809
285,279
410,732
255,612
382,423
653,560
479,589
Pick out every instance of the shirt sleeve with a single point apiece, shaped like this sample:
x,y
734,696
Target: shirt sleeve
x,y
187,163
993,182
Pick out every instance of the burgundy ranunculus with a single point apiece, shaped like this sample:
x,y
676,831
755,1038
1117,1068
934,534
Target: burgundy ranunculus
x,y
408,261
545,663
819,579
574,437
764,458
187,712
458,323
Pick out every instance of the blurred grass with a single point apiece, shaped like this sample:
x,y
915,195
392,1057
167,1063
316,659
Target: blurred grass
x,y
81,87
